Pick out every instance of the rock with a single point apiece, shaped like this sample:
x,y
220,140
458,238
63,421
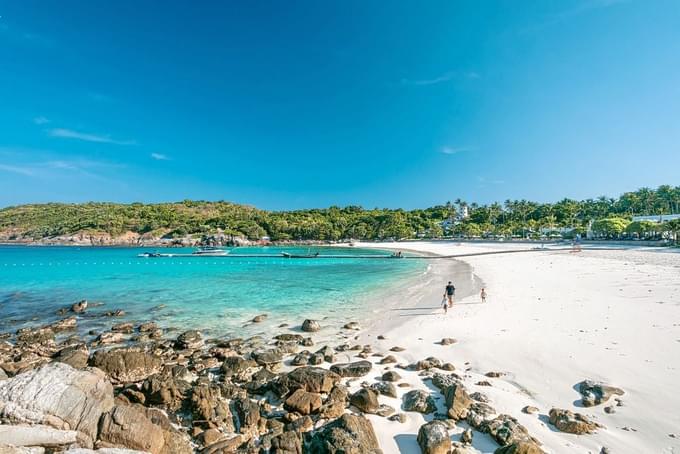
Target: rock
x,y
79,307
448,341
530,410
443,381
570,422
428,363
268,357
335,402
397,349
110,338
227,446
365,400
327,353
126,365
506,430
384,388
466,436
310,326
300,360
125,327
609,410
356,369
147,327
310,379
164,390
59,395
115,313
457,402
126,427
100,451
389,359
348,434
385,410
210,436
433,438
479,397
37,435
236,365
352,326
494,374
420,401
259,318
399,417
189,340
303,402
35,336
448,367
594,393
75,356
520,447
289,442
208,407
3,375
289,337
391,375
247,415
64,324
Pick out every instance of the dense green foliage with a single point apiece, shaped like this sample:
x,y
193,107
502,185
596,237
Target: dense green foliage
x,y
610,218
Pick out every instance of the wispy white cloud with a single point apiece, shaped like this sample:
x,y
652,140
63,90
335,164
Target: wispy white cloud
x,y
41,120
160,157
446,77
88,137
21,170
455,150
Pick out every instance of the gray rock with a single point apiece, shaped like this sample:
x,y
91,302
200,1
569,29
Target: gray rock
x,y
433,438
506,430
457,402
348,434
79,307
355,369
189,340
594,393
384,388
520,447
573,423
310,326
420,401
75,356
126,365
37,435
57,393
391,376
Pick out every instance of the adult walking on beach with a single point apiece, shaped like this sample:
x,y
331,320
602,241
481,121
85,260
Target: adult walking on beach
x,y
450,293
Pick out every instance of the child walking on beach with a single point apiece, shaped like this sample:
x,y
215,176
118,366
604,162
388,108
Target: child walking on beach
x,y
445,306
483,295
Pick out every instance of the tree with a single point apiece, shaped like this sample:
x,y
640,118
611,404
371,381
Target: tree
x,y
610,227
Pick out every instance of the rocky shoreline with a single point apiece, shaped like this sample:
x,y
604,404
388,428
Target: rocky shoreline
x,y
132,389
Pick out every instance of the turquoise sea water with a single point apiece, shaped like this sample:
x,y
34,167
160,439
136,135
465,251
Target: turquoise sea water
x,y
215,294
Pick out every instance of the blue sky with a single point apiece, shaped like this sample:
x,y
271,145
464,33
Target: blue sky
x,y
307,104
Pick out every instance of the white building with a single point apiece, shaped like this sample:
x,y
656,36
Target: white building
x,y
657,218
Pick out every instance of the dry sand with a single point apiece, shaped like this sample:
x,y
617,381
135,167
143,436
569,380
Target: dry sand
x,y
552,319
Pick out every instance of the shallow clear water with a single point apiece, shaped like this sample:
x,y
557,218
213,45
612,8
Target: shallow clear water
x,y
212,293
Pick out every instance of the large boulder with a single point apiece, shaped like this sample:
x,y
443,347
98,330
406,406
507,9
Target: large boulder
x,y
236,366
595,393
303,402
506,430
310,326
125,427
573,423
420,401
355,369
165,390
348,434
365,400
457,401
247,415
433,438
209,409
126,365
37,435
58,395
310,379
289,442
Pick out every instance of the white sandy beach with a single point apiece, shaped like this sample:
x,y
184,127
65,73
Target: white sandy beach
x,y
552,319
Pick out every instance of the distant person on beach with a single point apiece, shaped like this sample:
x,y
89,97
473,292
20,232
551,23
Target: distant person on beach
x,y
449,293
483,295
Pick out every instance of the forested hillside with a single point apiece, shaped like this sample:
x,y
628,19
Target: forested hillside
x,y
196,218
